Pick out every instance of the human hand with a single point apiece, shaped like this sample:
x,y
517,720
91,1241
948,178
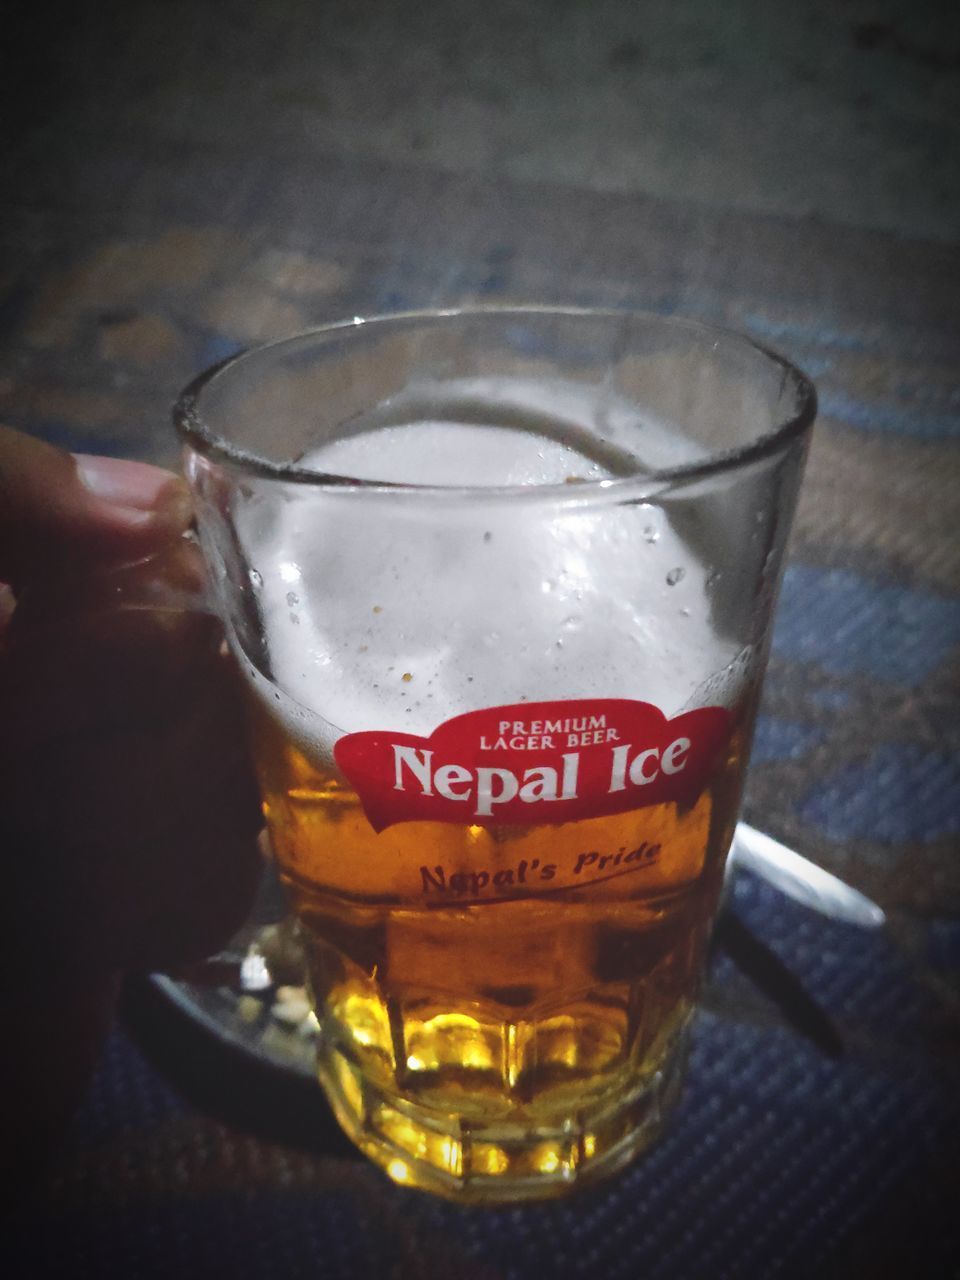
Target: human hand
x,y
128,811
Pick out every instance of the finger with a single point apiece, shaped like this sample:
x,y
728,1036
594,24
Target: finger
x,y
127,800
58,510
91,652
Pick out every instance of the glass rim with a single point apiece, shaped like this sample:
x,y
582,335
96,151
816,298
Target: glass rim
x,y
194,431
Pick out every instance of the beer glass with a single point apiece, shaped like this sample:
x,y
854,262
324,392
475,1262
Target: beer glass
x,y
499,583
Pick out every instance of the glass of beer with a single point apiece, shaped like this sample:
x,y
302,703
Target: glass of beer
x,y
499,582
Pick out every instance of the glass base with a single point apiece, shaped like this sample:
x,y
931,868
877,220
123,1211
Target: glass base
x,y
512,1158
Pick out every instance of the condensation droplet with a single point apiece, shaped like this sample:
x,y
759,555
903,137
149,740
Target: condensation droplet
x,y
292,599
674,576
255,578
650,533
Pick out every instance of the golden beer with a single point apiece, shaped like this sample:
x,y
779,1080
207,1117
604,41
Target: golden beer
x,y
528,1038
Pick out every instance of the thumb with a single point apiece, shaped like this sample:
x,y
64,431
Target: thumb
x,y
59,510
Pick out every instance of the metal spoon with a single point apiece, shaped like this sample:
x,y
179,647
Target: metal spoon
x,y
801,879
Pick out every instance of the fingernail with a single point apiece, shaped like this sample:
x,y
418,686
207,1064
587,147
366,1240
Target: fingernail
x,y
124,483
144,494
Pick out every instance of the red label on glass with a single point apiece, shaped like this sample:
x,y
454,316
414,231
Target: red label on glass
x,y
534,763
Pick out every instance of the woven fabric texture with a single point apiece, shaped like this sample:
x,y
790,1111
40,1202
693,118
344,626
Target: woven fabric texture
x,y
125,274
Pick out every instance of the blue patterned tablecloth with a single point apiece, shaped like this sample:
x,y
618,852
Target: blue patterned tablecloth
x,y
129,273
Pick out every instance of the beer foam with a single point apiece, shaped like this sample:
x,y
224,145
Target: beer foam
x,y
399,613
509,431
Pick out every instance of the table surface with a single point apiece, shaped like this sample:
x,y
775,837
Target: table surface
x,y
188,182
